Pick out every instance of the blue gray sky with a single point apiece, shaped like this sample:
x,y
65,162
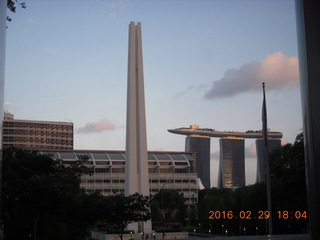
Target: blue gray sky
x,y
204,63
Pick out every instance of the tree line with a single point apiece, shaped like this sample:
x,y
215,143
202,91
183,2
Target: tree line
x,y
42,197
247,206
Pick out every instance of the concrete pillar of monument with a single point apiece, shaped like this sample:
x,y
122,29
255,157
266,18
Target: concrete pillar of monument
x,y
136,169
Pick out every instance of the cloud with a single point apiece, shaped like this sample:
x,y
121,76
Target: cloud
x,y
276,70
191,89
98,127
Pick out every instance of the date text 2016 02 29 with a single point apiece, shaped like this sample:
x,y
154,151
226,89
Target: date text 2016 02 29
x,y
213,215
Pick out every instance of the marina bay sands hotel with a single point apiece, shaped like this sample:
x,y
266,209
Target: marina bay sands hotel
x,y
232,154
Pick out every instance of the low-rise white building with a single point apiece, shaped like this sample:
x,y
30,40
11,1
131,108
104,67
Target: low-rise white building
x,y
167,170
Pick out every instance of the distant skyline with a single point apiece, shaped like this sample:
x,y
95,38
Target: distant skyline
x,y
204,62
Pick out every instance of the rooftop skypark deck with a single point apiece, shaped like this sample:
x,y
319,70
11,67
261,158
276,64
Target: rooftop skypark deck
x,y
194,130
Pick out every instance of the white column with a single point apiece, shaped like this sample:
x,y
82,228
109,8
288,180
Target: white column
x,y
136,171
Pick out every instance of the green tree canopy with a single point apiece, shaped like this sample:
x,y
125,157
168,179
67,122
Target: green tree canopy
x,y
171,205
120,210
288,185
288,192
41,196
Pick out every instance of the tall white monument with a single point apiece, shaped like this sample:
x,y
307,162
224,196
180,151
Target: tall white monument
x,y
136,170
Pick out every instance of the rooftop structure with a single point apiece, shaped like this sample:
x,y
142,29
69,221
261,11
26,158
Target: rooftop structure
x,y
232,154
195,130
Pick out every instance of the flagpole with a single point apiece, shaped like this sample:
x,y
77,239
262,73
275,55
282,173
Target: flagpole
x,y
267,159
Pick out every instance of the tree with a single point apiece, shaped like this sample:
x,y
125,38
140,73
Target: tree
x,y
41,196
122,210
217,200
288,185
251,200
171,204
12,7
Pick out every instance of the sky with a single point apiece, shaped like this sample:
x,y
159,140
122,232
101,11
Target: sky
x,y
204,64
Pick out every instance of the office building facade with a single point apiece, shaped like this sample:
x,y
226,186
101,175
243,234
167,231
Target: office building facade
x,y
201,146
231,163
30,134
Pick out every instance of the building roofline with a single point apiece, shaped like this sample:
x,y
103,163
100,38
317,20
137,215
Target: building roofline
x,y
38,121
110,151
9,117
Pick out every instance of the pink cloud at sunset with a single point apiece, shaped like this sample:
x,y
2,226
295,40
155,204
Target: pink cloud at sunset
x,y
277,70
97,127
